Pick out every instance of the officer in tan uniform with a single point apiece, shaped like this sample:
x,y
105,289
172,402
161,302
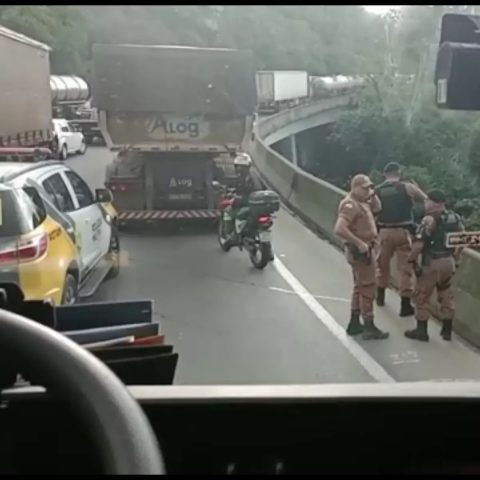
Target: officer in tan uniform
x,y
437,267
356,226
396,227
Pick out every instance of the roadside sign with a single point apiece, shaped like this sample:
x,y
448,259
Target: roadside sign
x,y
463,239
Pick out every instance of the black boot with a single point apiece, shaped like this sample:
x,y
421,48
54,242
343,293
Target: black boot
x,y
420,333
380,297
406,309
371,332
354,326
446,332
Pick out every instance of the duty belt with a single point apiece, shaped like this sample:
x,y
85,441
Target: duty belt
x,y
437,255
407,226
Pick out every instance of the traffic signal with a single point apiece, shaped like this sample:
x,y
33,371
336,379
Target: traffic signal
x,y
457,73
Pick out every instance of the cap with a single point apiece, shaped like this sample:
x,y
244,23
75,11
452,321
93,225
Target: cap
x,y
436,195
392,167
361,180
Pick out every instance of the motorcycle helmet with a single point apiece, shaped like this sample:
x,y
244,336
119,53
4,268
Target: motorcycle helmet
x,y
243,159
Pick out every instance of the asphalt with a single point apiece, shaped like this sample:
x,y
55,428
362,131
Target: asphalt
x,y
232,324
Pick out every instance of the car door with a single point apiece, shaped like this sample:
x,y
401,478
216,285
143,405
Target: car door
x,y
55,186
91,214
76,139
69,136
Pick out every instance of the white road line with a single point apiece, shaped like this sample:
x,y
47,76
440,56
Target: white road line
x,y
374,369
321,297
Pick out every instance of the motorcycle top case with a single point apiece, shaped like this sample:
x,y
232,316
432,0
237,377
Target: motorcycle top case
x,y
264,202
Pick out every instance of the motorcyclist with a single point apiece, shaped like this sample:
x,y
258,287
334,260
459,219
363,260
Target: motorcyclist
x,y
243,179
244,186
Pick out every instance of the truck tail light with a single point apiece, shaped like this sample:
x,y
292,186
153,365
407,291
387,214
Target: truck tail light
x,y
24,250
123,187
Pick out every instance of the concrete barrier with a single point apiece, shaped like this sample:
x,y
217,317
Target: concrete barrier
x,y
316,202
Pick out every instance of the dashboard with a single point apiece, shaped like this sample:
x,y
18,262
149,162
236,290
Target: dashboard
x,y
375,429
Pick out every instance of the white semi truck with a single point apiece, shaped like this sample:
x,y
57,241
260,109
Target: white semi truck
x,y
280,88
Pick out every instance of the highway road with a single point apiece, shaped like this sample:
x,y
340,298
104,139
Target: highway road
x,y
232,324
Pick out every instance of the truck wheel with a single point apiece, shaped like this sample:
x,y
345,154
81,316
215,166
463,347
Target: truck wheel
x,y
83,148
63,153
54,149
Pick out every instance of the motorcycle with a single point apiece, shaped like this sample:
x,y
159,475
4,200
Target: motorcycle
x,y
251,227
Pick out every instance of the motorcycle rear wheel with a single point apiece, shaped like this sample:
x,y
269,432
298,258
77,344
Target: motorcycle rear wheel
x,y
261,255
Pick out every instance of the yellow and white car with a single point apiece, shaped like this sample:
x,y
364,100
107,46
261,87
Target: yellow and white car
x,y
57,241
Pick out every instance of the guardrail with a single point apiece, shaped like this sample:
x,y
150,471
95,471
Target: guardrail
x,y
316,202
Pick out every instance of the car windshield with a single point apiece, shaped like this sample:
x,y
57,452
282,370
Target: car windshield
x,y
282,191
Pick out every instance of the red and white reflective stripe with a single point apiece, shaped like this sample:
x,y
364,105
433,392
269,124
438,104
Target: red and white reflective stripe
x,y
166,214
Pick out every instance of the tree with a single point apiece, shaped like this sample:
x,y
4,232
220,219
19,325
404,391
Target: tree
x,y
62,28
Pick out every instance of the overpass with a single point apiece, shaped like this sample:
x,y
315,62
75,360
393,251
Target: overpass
x,y
315,201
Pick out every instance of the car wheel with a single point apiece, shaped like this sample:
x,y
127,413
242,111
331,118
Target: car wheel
x,y
63,152
83,147
114,254
70,290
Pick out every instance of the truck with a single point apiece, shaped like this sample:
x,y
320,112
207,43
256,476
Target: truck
x,y
280,88
71,100
175,118
25,100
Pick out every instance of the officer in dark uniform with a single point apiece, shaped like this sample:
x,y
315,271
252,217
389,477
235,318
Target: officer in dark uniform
x,y
437,267
395,223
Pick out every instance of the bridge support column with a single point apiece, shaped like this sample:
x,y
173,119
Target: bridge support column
x,y
303,152
293,149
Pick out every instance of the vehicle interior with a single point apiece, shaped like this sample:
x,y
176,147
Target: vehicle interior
x,y
88,421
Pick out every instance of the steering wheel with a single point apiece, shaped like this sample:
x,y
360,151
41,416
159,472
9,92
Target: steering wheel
x,y
121,430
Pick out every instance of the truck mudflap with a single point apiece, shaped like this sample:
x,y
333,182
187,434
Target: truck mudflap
x,y
155,215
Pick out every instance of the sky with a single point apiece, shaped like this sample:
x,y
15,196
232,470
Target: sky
x,y
381,9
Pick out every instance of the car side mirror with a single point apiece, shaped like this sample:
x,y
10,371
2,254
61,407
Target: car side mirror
x,y
103,195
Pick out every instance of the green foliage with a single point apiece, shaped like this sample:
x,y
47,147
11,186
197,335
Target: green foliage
x,y
61,27
438,149
320,39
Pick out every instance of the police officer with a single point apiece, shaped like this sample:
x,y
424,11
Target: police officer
x,y
356,226
437,267
396,225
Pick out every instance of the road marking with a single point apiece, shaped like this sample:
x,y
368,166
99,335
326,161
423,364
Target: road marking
x,y
321,297
374,369
404,357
